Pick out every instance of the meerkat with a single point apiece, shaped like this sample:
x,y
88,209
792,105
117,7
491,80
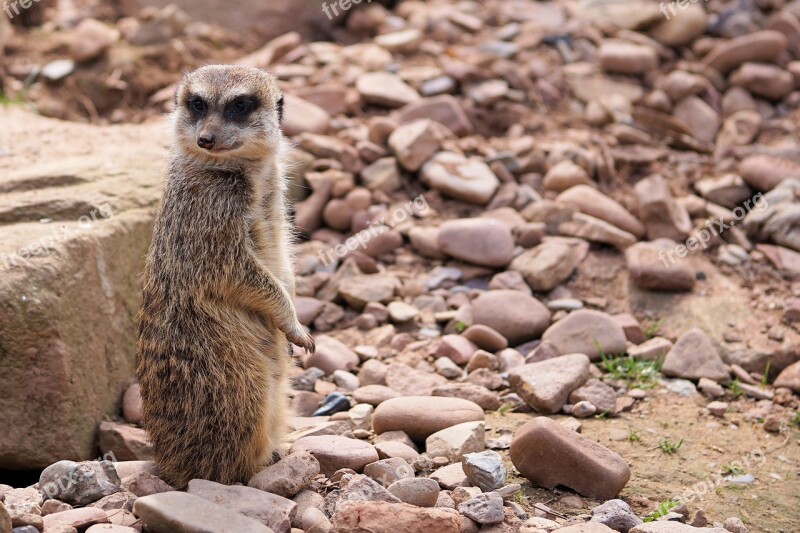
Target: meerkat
x,y
218,288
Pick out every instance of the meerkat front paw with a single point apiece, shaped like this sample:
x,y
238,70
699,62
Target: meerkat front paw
x,y
302,338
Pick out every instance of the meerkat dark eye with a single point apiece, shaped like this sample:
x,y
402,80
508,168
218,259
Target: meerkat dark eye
x,y
197,105
279,108
241,107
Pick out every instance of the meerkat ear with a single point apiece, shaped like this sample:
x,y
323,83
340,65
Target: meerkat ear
x,y
279,107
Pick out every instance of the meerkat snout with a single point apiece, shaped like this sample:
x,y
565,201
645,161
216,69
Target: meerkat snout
x,y
232,113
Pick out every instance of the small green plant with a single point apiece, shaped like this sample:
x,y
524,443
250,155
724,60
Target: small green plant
x,y
735,388
669,447
634,436
765,377
652,329
732,469
505,408
519,497
637,373
663,509
460,326
795,420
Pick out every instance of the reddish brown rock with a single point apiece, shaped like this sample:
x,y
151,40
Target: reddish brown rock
x,y
386,517
334,452
517,316
421,416
548,454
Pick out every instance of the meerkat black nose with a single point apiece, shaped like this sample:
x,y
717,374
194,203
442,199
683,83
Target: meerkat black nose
x,y
206,143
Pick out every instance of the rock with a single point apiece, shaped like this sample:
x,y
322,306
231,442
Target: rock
x,y
302,116
331,355
657,266
387,471
420,492
681,28
548,454
758,46
359,488
421,416
450,477
655,348
391,449
485,470
616,514
484,509
517,316
414,143
486,399
401,312
362,289
314,519
598,393
583,409
118,182
132,404
126,443
334,452
710,388
480,241
382,175
566,174
58,70
275,512
453,442
546,266
443,109
180,511
488,92
764,172
386,517
485,338
546,385
470,180
457,348
789,377
5,518
717,409
288,476
407,381
596,230
665,526
91,39
592,202
702,120
305,500
734,525
119,500
661,214
586,331
768,81
624,57
79,483
77,518
385,89
145,484
374,394
694,357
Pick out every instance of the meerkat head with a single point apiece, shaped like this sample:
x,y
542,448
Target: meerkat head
x,y
228,112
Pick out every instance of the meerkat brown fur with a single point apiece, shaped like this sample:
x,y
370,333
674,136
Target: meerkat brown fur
x,y
217,306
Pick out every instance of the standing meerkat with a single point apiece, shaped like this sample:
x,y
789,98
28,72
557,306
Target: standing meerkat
x,y
218,293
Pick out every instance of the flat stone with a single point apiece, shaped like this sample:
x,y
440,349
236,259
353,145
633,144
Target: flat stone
x,y
596,230
486,399
547,265
655,348
702,120
598,393
179,511
546,385
517,316
754,47
362,289
420,492
585,331
374,394
485,338
387,471
334,452
767,81
385,89
480,241
444,109
592,202
421,416
382,516
660,213
392,449
694,357
360,488
470,180
288,476
680,30
624,57
616,514
126,443
414,143
453,442
407,381
332,355
656,265
549,455
273,511
674,527
457,348
765,172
